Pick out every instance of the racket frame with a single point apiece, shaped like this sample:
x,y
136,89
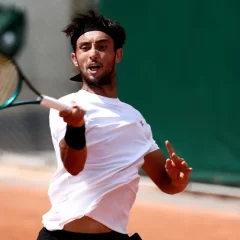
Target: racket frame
x,y
40,100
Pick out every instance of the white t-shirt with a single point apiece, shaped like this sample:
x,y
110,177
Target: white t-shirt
x,y
118,138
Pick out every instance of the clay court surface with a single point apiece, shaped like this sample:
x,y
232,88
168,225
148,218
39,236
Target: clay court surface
x,y
21,208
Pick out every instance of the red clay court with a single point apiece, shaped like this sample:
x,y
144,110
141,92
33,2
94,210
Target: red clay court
x,y
153,216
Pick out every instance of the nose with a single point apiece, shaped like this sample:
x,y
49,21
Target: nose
x,y
94,53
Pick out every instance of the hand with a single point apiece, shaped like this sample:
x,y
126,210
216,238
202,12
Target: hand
x,y
73,117
177,168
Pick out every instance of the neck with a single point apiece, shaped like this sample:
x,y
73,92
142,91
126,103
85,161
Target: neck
x,y
109,91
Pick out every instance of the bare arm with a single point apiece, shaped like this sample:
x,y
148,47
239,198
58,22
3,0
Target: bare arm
x,y
73,146
73,160
170,175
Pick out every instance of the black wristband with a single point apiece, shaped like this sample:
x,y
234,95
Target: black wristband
x,y
75,137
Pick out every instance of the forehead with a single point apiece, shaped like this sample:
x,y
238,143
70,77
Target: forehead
x,y
94,36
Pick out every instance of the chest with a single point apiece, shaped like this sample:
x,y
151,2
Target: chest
x,y
116,125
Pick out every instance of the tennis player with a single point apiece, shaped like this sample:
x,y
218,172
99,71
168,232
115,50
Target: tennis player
x,y
101,144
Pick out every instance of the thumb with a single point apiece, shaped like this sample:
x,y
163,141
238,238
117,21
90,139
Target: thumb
x,y
74,104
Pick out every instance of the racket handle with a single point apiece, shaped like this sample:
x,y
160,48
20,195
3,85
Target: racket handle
x,y
50,102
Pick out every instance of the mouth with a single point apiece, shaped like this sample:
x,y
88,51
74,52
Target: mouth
x,y
94,68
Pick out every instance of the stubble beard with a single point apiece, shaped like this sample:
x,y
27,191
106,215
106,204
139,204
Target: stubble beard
x,y
107,79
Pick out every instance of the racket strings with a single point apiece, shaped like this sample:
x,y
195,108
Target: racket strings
x,y
8,79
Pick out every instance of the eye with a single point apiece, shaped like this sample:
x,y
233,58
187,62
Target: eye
x,y
102,47
84,48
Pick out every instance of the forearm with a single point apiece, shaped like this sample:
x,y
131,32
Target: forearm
x,y
73,160
166,185
73,149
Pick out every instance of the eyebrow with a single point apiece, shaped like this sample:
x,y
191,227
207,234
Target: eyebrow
x,y
98,41
102,40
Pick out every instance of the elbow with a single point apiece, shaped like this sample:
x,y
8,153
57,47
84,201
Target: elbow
x,y
74,171
171,189
168,191
74,168
165,188
74,161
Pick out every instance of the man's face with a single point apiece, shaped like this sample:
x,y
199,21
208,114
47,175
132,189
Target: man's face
x,y
96,58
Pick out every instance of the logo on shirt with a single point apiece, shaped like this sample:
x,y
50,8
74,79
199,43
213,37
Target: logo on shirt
x,y
142,123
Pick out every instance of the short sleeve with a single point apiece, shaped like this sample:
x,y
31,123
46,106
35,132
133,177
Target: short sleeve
x,y
152,143
57,126
56,123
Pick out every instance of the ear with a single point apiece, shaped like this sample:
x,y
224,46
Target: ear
x,y
74,59
119,55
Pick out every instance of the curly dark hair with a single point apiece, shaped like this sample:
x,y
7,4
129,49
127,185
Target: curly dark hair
x,y
81,23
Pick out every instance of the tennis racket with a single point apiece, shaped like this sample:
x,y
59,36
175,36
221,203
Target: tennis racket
x,y
11,81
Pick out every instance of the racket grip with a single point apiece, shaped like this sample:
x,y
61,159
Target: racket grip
x,y
50,102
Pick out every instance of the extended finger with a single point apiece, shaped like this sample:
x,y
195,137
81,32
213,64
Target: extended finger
x,y
169,148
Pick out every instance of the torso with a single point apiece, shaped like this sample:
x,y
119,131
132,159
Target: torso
x,y
99,199
86,225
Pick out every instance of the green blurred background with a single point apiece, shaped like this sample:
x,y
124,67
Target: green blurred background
x,y
181,70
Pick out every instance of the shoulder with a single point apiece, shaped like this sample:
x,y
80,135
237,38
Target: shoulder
x,y
140,117
129,107
133,110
